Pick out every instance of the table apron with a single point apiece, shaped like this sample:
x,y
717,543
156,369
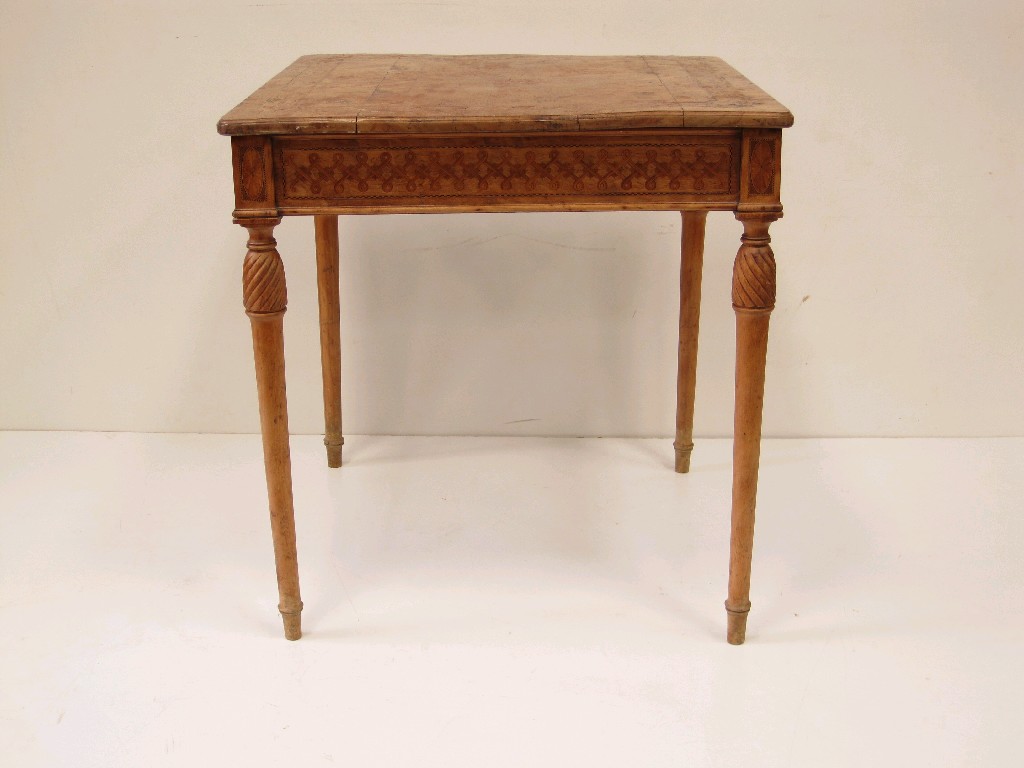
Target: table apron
x,y
686,169
489,173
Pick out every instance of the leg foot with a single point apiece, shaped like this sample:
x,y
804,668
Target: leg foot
x,y
333,453
683,453
736,631
292,624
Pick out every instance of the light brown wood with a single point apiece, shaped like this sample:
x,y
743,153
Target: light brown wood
x,y
689,326
753,298
265,297
362,93
326,229
371,134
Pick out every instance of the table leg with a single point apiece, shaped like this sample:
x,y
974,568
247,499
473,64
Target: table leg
x,y
753,298
689,324
326,228
265,296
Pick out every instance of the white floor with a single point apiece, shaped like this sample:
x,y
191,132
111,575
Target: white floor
x,y
509,602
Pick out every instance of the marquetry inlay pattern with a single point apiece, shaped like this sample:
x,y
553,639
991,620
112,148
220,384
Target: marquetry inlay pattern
x,y
762,166
524,168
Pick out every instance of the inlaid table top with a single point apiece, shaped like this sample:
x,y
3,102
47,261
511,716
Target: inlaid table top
x,y
379,93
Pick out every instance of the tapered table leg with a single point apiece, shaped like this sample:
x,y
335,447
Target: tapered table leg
x,y
689,325
265,296
753,298
330,328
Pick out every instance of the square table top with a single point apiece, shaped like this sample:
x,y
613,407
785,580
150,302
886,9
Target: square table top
x,y
393,93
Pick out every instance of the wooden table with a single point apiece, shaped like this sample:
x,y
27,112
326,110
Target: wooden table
x,y
351,134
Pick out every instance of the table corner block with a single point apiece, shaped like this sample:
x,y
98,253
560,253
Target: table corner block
x,y
252,161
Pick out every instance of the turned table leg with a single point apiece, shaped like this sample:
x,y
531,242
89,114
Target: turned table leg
x,y
689,323
330,328
753,298
265,297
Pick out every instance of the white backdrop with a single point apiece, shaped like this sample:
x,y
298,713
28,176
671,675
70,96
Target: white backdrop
x,y
899,257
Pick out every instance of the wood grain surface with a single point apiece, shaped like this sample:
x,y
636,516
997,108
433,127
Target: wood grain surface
x,y
385,93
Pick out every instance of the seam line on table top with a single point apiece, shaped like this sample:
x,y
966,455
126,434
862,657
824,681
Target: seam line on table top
x,y
376,88
670,94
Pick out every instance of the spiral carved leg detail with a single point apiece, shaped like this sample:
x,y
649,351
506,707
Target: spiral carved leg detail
x,y
689,324
264,294
753,298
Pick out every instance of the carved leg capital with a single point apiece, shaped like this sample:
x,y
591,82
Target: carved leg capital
x,y
753,273
264,291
